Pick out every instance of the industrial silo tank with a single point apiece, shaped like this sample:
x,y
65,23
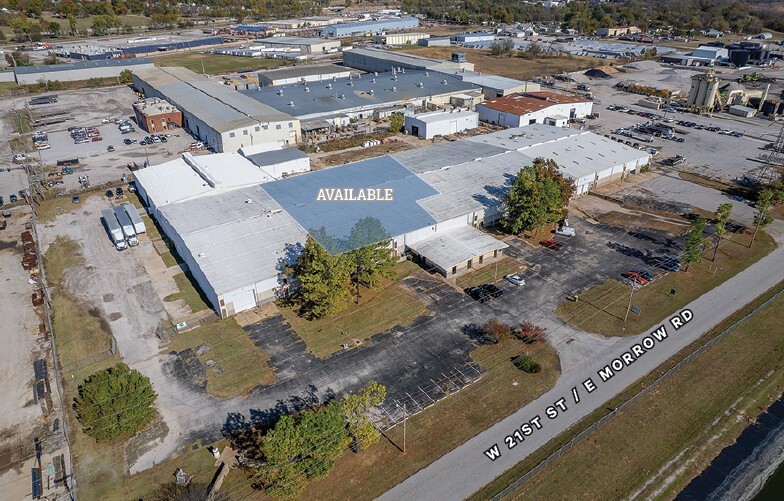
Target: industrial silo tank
x,y
700,101
740,58
713,89
695,87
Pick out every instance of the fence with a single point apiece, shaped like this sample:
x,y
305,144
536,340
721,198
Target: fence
x,y
566,447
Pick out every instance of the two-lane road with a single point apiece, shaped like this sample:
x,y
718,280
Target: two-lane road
x,y
466,469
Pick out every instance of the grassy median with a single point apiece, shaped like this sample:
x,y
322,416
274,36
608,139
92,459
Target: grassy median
x,y
379,309
237,366
698,411
601,310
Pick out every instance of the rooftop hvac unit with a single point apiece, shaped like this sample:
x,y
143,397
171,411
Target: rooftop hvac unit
x,y
307,89
373,81
375,73
342,96
420,85
371,92
291,103
427,73
280,92
202,254
248,201
443,82
351,84
329,86
403,71
394,89
394,77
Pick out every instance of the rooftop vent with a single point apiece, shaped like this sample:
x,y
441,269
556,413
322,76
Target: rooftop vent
x,y
394,77
202,254
280,92
307,89
427,73
394,89
444,82
291,103
373,81
248,201
420,85
371,92
329,86
375,73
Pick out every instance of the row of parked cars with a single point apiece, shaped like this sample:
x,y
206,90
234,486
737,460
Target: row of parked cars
x,y
82,135
710,128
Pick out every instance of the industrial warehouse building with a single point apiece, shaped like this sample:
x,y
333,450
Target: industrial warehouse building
x,y
344,99
237,235
363,28
400,38
306,73
221,117
533,108
70,72
304,45
440,123
380,60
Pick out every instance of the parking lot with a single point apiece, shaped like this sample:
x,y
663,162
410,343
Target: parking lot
x,y
88,109
715,155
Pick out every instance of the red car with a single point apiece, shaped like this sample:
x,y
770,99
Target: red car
x,y
551,244
635,277
97,138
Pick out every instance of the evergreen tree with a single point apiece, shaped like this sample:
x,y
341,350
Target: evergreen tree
x,y
538,196
326,281
115,402
723,213
694,242
762,216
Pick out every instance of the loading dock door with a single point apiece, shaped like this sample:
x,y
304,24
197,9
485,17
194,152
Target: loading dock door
x,y
243,301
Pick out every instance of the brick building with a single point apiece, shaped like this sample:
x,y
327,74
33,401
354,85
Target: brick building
x,y
157,115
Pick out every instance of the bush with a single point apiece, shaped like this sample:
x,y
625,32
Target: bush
x,y
496,330
115,402
529,333
527,364
94,82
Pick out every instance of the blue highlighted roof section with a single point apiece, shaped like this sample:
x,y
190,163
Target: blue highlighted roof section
x,y
336,205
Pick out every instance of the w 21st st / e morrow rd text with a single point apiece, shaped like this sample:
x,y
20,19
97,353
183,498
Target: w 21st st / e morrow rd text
x,y
606,373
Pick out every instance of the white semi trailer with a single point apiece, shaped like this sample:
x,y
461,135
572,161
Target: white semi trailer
x,y
114,229
126,225
136,218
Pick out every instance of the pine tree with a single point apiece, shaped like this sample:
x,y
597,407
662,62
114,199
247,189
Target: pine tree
x,y
694,242
325,279
723,213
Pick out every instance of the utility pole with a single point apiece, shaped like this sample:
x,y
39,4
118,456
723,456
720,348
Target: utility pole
x,y
405,420
631,293
496,261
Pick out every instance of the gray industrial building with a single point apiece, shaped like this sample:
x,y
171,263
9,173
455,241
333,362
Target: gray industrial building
x,y
304,45
344,99
305,73
383,60
235,241
221,117
363,28
71,72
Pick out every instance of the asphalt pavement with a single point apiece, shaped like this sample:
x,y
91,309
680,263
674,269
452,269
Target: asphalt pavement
x,y
466,469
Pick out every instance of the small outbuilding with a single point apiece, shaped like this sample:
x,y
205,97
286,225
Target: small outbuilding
x,y
742,111
440,123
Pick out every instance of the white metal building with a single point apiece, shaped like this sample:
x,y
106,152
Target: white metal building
x,y
532,108
400,38
83,70
306,73
305,45
221,117
440,123
236,241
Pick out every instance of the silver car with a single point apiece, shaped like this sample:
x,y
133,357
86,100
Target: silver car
x,y
515,279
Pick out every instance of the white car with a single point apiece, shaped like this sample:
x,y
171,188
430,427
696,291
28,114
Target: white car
x,y
566,231
515,279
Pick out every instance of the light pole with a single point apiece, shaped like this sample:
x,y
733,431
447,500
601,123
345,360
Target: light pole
x,y
631,293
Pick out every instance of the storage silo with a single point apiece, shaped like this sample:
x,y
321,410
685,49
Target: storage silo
x,y
695,87
712,88
703,90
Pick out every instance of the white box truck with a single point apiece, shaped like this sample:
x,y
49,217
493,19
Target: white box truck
x,y
136,218
126,225
114,229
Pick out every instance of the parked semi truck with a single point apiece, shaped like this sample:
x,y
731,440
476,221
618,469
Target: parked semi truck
x,y
126,225
114,229
136,218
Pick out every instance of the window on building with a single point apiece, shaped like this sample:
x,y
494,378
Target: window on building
x,y
532,121
257,128
291,125
245,132
231,134
266,127
277,126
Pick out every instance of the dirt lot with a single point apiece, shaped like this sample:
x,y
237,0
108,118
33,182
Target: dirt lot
x,y
511,67
22,420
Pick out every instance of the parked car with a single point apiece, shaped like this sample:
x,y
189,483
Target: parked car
x,y
647,275
110,148
478,294
12,198
634,277
127,141
669,263
492,290
551,244
75,199
567,231
118,191
515,279
97,138
109,194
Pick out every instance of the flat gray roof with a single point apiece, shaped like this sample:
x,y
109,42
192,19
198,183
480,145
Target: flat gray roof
x,y
456,246
445,154
307,70
276,156
320,100
397,57
296,41
222,108
234,242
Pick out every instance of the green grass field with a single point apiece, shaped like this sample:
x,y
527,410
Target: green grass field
x,y
244,365
716,395
601,310
215,63
193,297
